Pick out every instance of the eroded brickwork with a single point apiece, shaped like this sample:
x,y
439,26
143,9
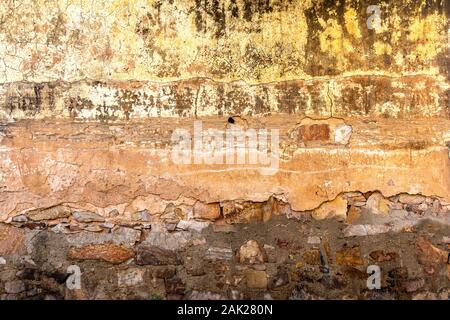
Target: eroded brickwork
x,y
234,250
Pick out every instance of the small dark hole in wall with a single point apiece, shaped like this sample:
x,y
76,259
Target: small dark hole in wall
x,y
230,120
221,211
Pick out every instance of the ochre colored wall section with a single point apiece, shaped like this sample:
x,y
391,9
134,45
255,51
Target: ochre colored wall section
x,y
184,58
274,63
225,40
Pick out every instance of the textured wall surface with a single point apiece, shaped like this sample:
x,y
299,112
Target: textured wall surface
x,y
254,41
221,57
91,93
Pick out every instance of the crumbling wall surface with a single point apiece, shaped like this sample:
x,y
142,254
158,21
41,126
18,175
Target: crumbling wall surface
x,y
354,95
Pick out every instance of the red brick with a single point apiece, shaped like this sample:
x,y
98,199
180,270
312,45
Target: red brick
x,y
314,132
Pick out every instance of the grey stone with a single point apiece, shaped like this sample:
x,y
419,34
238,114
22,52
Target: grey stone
x,y
162,272
194,267
215,253
425,296
120,236
171,214
130,277
359,203
86,216
152,255
204,295
93,228
423,207
51,213
20,218
342,134
113,213
414,285
107,225
396,206
170,226
27,259
411,199
143,215
60,228
280,279
224,227
399,213
236,295
125,236
376,229
438,208
32,292
361,230
192,225
15,286
160,237
7,275
377,204
8,297
314,240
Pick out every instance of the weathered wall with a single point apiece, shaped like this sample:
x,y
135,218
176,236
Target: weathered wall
x,y
92,91
302,57
254,41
